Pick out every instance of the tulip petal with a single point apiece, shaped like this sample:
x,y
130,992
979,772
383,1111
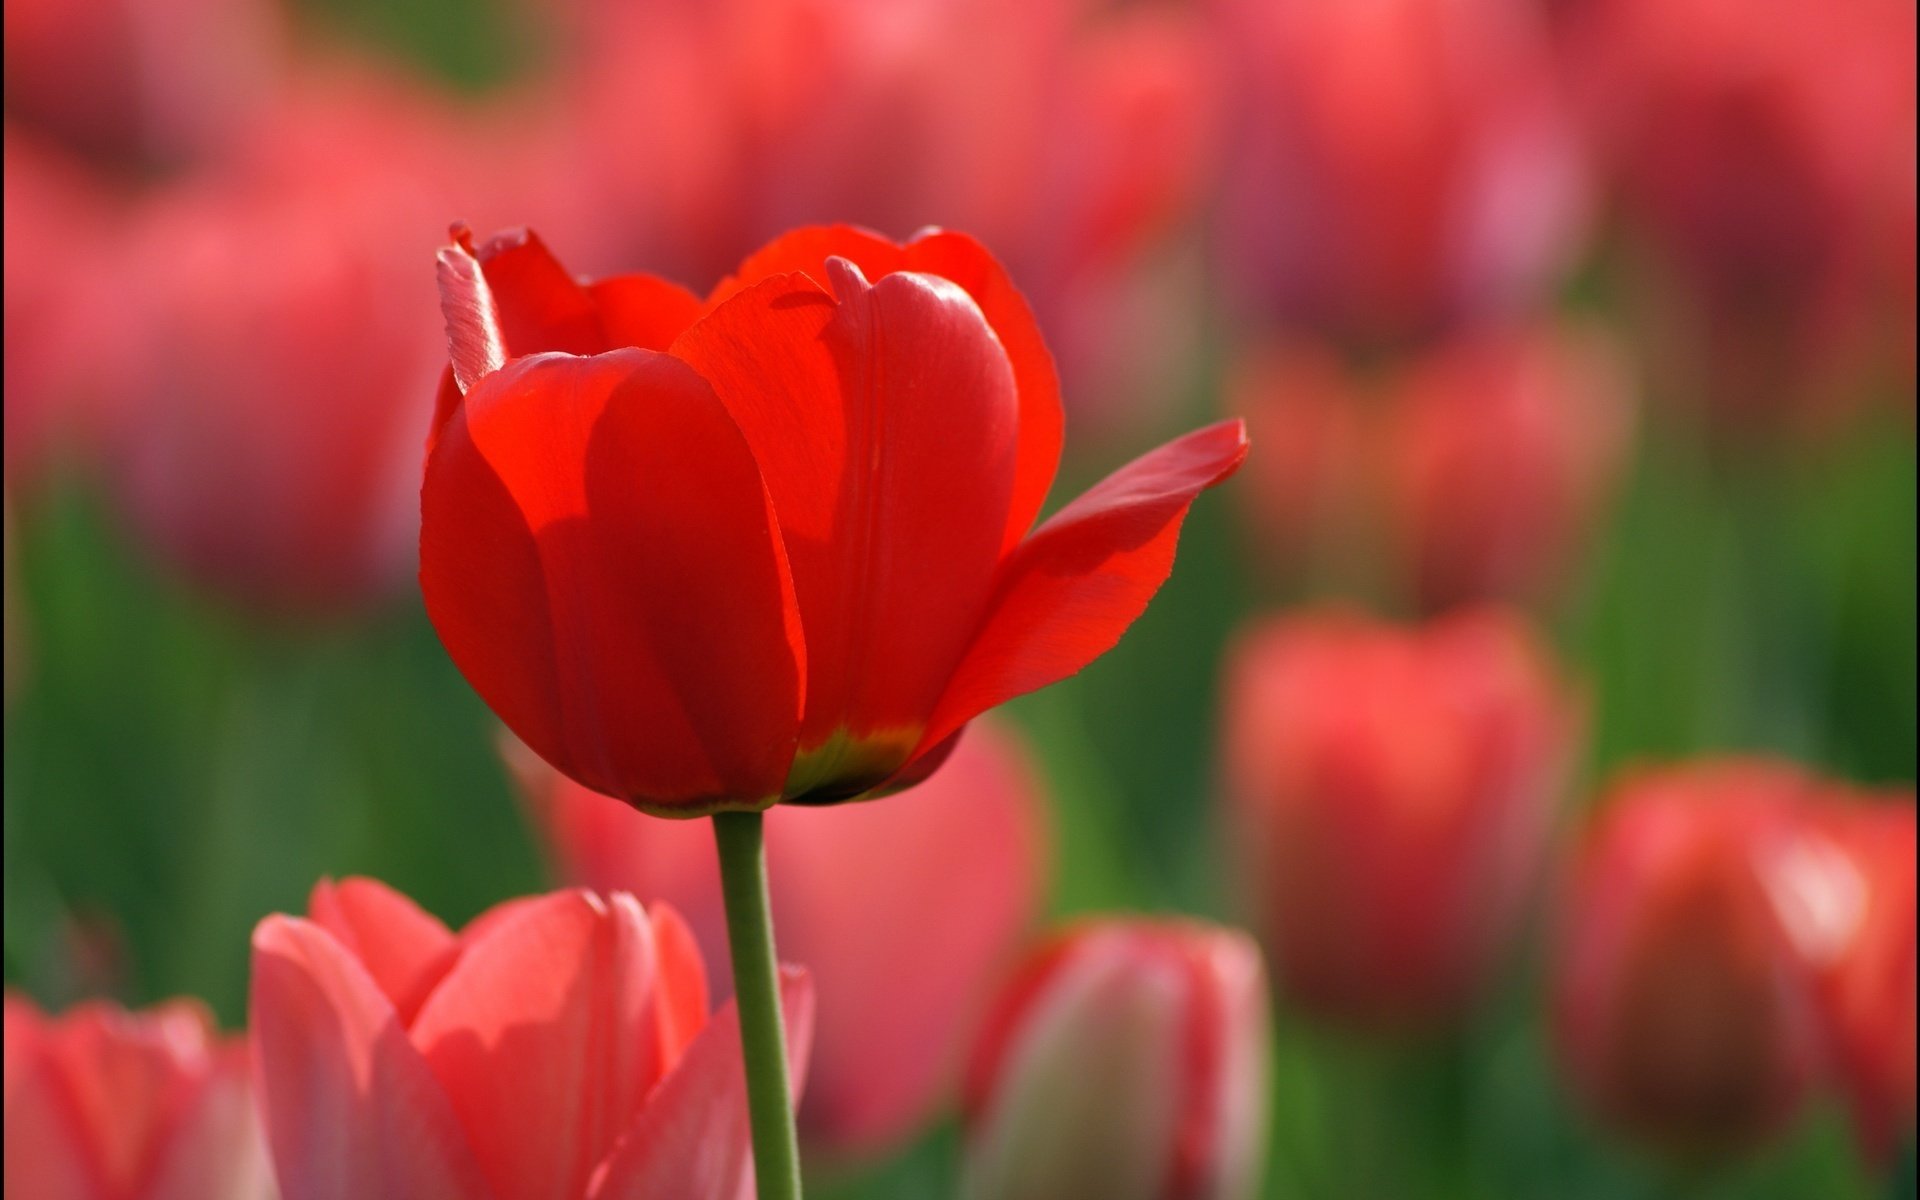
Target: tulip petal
x,y
601,560
961,259
642,310
683,981
43,1153
404,949
351,1111
216,1151
885,423
537,305
693,1138
544,1037
1069,591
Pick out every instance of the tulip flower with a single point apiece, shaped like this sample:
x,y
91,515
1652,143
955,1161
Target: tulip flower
x,y
705,557
560,1046
1500,449
1682,1015
106,1104
1399,165
843,448
251,455
1124,1059
904,914
1750,142
1392,790
139,83
1845,887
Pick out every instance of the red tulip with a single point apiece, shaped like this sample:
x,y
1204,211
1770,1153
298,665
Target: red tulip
x,y
141,81
105,1104
255,455
1125,1058
1682,1016
1846,888
1474,470
1392,791
902,912
1399,164
559,1047
1756,145
826,571
1500,448
63,282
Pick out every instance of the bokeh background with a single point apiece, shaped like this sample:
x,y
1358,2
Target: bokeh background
x,y
1599,309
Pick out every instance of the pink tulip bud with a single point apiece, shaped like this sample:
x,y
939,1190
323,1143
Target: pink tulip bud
x,y
560,1046
1683,1016
149,1105
904,913
1392,790
1125,1060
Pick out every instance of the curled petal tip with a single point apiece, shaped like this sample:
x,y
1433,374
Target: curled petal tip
x,y
847,279
474,342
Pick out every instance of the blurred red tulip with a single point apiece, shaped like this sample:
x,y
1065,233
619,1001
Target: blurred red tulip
x,y
843,516
903,913
1500,449
63,282
1473,471
271,448
559,1047
1760,148
1398,165
1846,889
105,1104
139,81
1392,792
1682,1017
1072,137
1124,1059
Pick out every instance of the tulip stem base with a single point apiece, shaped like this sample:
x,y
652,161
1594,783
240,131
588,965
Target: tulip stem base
x,y
756,985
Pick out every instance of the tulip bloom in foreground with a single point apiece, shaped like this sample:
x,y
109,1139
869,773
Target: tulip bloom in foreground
x,y
559,1047
105,1104
1683,1016
1392,790
1124,1060
773,545
904,914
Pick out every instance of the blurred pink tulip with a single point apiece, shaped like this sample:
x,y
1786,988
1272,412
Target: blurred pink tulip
x,y
1846,889
139,81
1682,1016
1763,150
1392,790
1073,138
1124,1060
63,286
1398,165
1501,448
559,1047
902,911
289,346
106,1104
1474,470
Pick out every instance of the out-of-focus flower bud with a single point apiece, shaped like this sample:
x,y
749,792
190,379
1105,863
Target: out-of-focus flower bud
x,y
1125,1060
1398,165
139,81
1683,1018
269,448
150,1105
1391,791
1500,448
1763,151
904,912
1845,888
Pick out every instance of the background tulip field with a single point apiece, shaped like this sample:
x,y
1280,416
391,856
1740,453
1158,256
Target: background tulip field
x,y
1575,342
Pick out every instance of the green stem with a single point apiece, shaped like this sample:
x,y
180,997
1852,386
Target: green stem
x,y
756,987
